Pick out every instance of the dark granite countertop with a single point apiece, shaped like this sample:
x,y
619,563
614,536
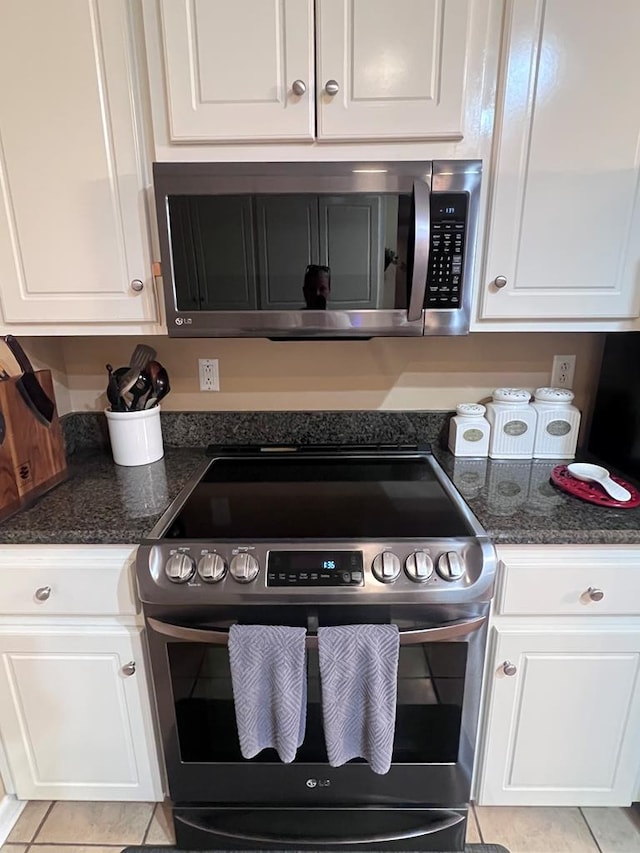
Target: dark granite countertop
x,y
517,504
102,503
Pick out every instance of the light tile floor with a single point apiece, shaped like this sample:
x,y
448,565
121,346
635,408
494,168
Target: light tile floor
x,y
70,827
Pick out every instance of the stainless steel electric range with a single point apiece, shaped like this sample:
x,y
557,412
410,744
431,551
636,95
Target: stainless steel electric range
x,y
311,537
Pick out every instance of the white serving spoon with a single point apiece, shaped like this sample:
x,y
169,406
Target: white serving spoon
x,y
598,474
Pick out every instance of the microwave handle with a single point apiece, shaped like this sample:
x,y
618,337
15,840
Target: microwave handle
x,y
421,247
443,633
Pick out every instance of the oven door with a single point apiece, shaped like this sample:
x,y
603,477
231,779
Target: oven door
x,y
439,679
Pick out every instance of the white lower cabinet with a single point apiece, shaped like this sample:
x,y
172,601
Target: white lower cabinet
x,y
561,713
74,714
565,728
75,704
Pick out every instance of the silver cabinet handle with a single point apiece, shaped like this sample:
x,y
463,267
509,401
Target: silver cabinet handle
x,y
299,87
500,281
332,87
509,668
595,594
137,285
129,668
43,593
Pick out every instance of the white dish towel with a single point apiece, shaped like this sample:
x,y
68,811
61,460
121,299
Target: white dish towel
x,y
359,678
269,677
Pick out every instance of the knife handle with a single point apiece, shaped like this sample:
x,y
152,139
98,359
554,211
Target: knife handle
x,y
19,354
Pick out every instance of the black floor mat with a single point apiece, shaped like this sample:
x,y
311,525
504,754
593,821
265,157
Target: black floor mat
x,y
470,848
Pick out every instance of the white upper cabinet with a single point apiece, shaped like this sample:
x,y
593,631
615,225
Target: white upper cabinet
x,y
399,66
240,70
73,212
565,213
286,70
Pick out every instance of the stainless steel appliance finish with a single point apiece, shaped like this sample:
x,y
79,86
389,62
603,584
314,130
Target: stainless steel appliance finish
x,y
408,271
433,579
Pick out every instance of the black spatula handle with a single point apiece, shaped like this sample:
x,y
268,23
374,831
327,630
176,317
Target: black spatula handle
x,y
19,353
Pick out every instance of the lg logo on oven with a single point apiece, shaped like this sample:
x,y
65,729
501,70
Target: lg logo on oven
x,y
318,783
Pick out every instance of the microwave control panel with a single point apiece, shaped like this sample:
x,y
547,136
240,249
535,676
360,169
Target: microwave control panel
x,y
446,255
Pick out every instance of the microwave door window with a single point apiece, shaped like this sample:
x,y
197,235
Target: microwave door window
x,y
290,252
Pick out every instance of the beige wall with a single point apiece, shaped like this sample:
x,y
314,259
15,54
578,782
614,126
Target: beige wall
x,y
384,373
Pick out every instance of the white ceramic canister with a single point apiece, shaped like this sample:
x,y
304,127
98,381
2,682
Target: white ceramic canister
x,y
557,425
469,431
136,437
513,424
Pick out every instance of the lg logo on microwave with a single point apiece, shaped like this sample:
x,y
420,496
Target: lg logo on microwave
x,y
183,321
318,783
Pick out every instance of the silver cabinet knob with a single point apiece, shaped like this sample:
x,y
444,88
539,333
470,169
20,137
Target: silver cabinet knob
x,y
595,594
43,593
500,281
180,568
418,567
129,668
386,567
332,87
299,87
450,567
244,568
137,285
509,668
212,568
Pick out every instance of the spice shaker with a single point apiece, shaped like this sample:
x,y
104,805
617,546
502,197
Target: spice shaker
x,y
557,424
513,424
469,431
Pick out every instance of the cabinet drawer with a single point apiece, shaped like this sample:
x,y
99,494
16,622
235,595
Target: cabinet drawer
x,y
66,582
603,582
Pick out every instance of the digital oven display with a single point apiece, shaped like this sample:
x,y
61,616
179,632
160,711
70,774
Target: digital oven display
x,y
315,568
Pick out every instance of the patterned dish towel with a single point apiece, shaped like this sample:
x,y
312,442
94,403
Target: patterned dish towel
x,y
269,677
359,677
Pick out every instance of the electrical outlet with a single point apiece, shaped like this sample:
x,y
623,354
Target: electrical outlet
x,y
209,374
564,368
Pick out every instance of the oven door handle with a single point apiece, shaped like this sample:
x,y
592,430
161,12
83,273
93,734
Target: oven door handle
x,y
448,820
443,633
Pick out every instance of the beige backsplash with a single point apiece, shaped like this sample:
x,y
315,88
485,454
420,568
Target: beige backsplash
x,y
384,373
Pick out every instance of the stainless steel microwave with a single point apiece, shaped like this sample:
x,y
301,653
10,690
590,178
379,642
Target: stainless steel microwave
x,y
318,250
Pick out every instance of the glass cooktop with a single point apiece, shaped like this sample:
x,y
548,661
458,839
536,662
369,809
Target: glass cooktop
x,y
318,498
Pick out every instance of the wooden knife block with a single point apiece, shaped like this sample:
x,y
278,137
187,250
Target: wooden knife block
x,y
32,455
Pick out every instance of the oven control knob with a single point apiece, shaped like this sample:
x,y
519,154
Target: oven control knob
x,y
180,568
244,568
386,567
418,567
212,568
450,566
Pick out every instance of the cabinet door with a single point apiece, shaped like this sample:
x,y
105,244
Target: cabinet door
x,y
287,238
351,244
565,223
399,64
230,69
74,724
73,220
564,730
